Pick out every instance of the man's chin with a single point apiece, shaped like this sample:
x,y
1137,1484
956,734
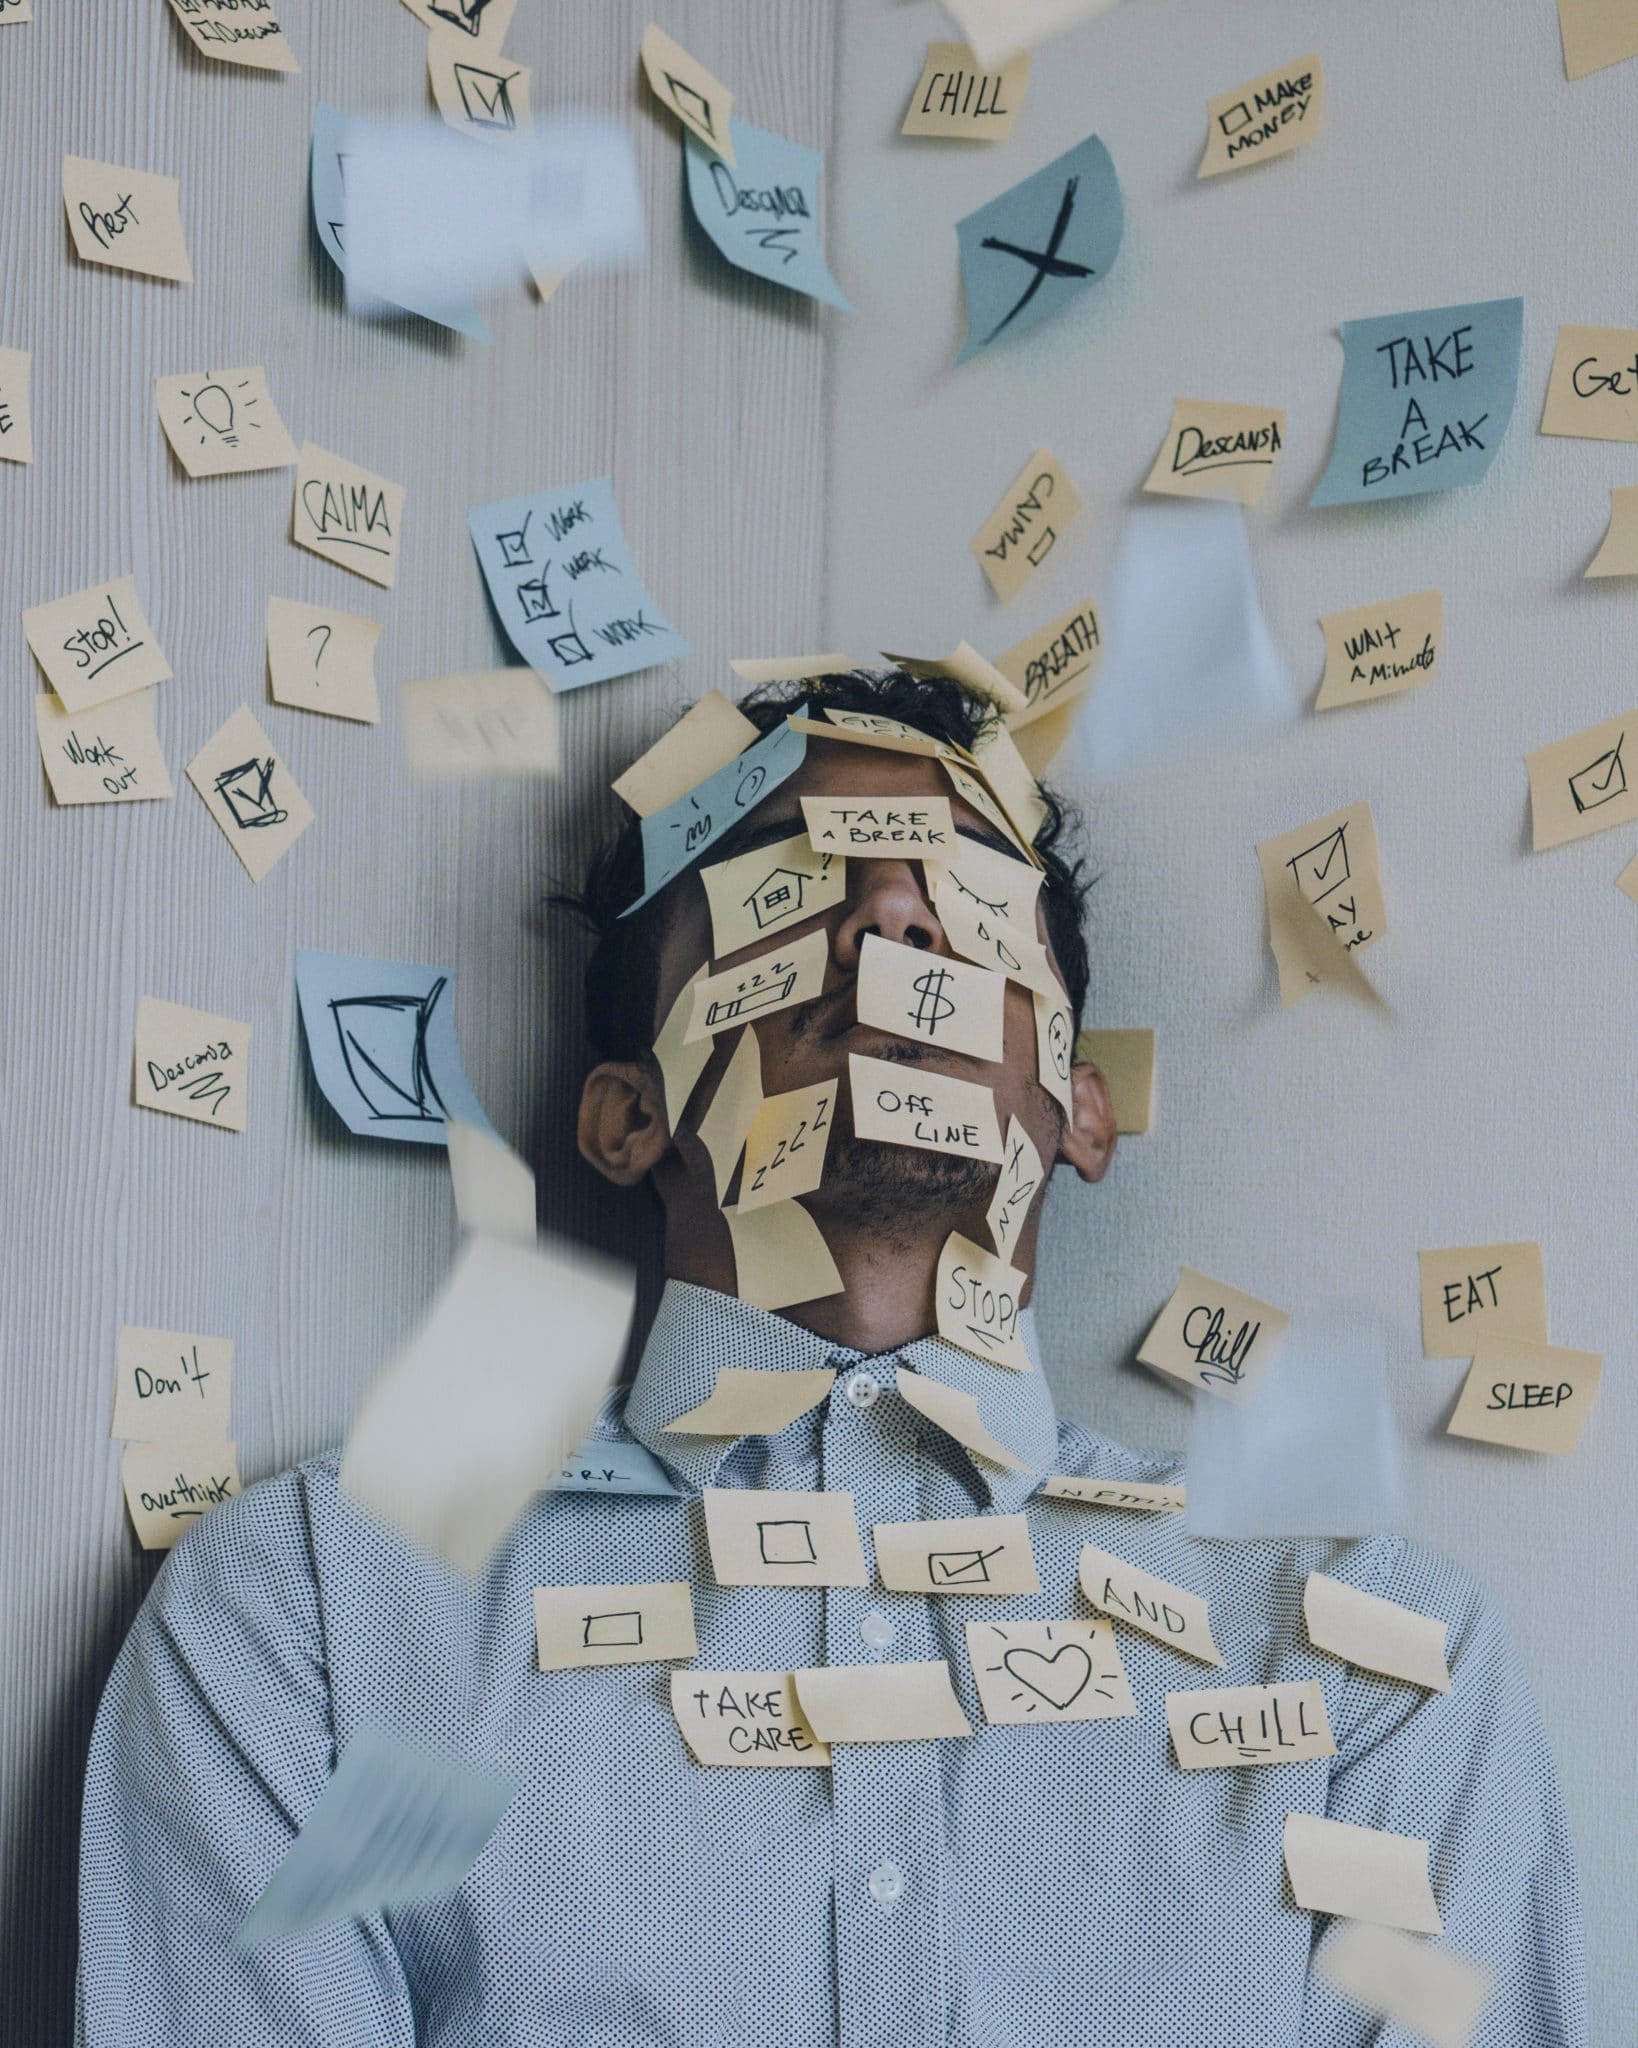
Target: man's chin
x,y
900,1190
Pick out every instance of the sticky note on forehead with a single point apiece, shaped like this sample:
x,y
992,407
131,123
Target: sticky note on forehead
x,y
682,831
880,827
706,738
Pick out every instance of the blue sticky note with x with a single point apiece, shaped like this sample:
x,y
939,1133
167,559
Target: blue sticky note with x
x,y
679,834
762,210
1026,254
1426,398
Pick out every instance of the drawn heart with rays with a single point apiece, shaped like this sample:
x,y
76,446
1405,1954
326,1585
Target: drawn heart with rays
x,y
1060,1679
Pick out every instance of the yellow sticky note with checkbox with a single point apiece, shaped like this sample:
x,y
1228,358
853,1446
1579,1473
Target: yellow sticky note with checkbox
x,y
1585,783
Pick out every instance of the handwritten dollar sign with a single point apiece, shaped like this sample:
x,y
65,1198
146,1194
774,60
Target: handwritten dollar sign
x,y
935,1005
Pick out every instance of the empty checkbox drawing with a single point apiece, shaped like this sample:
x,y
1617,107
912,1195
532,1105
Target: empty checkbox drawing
x,y
786,1542
622,1631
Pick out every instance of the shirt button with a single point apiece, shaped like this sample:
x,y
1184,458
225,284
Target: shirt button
x,y
877,1631
863,1391
886,1883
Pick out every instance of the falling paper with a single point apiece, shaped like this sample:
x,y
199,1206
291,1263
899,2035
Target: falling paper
x,y
565,589
381,1037
1028,252
499,722
1434,1994
1426,398
998,29
762,210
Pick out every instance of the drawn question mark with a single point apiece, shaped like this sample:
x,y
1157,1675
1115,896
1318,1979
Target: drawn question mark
x,y
317,658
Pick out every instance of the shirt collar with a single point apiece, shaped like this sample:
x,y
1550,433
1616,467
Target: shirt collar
x,y
696,1329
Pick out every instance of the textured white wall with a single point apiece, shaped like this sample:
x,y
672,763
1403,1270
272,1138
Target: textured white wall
x,y
1309,1156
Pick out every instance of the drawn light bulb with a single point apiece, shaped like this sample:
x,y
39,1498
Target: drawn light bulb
x,y
213,407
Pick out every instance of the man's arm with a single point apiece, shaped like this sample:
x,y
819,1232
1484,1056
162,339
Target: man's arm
x,y
212,1744
1470,1772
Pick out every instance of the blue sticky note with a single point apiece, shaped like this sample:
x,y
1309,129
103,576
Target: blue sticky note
x,y
600,1466
1426,398
329,192
696,821
381,1037
564,587
396,1824
762,210
1026,254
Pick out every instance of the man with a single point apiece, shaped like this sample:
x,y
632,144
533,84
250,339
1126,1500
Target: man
x,y
1061,1884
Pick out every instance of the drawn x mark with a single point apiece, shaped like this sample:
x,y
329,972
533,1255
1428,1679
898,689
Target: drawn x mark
x,y
1047,262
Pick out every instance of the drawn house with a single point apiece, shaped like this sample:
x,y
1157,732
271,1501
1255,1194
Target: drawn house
x,y
777,897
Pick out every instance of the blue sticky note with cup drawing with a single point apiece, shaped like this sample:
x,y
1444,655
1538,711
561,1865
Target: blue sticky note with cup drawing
x,y
762,210
565,589
1426,398
381,1039
1041,243
679,834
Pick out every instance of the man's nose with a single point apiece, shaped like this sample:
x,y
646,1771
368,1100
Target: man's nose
x,y
886,897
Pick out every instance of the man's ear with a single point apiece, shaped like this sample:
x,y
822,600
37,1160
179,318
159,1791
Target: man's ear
x,y
1088,1140
623,1130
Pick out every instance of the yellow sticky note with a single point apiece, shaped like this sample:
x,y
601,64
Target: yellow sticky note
x,y
1436,1995
790,973
1171,1614
979,1301
707,737
321,659
879,827
757,894
1627,880
745,1401
970,784
728,1116
996,757
107,755
1226,1726
349,515
479,726
1003,889
14,11
130,220
96,644
546,281
171,1385
1333,864
1021,534
480,93
1592,389
494,1189
965,666
681,1059
978,935
1019,1182
958,97
744,1717
1126,1060
895,1105
1531,1397
1596,33
482,23
1055,1047
237,32
785,1145
771,1537
168,1486
191,1064
1268,116
931,999
780,1257
1215,450
1212,1337
1474,1291
789,668
16,419
1147,1496
1618,552
700,101
1359,1873
983,1554
1377,650
881,1702
957,1414
1581,785
1056,666
1033,1673
249,790
223,422
1373,1633
587,1627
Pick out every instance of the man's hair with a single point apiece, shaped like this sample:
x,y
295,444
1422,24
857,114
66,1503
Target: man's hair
x,y
622,975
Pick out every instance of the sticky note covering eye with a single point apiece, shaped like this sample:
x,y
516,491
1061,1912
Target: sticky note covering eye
x,y
683,830
16,420
249,790
1426,398
1532,1397
1474,1291
191,1064
700,101
880,827
1215,450
1213,1337
898,1105
1267,117
96,644
744,1717
1377,650
130,220
107,755
236,31
348,515
1359,1873
1031,1673
972,1554
223,422
321,659
759,893
1022,532
979,1302
762,208
955,96
170,1484
1583,784
587,1627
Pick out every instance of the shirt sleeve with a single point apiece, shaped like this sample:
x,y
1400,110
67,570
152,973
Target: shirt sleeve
x,y
1470,1772
212,1742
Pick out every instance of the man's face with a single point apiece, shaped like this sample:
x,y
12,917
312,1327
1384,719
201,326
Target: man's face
x,y
810,1042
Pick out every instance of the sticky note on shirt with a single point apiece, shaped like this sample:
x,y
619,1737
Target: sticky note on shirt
x,y
1126,1060
349,515
169,1485
483,96
879,827
1334,865
586,1627
1147,1496
321,659
1171,1614
250,792
762,210
746,1401
1533,1397
490,724
1021,534
932,1000
1426,398
1238,1725
757,894
1377,650
1212,1337
130,220
191,1064
958,97
793,972
696,96
1359,1873
1033,1673
881,1702
768,1537
1474,1291
1375,1634
171,1385
979,1554
896,1105
107,755
223,422
236,33
95,644
710,734
1618,552
744,1717
979,1299
957,1414
1218,450
16,418
1016,1187
785,1146
1267,117
1582,785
